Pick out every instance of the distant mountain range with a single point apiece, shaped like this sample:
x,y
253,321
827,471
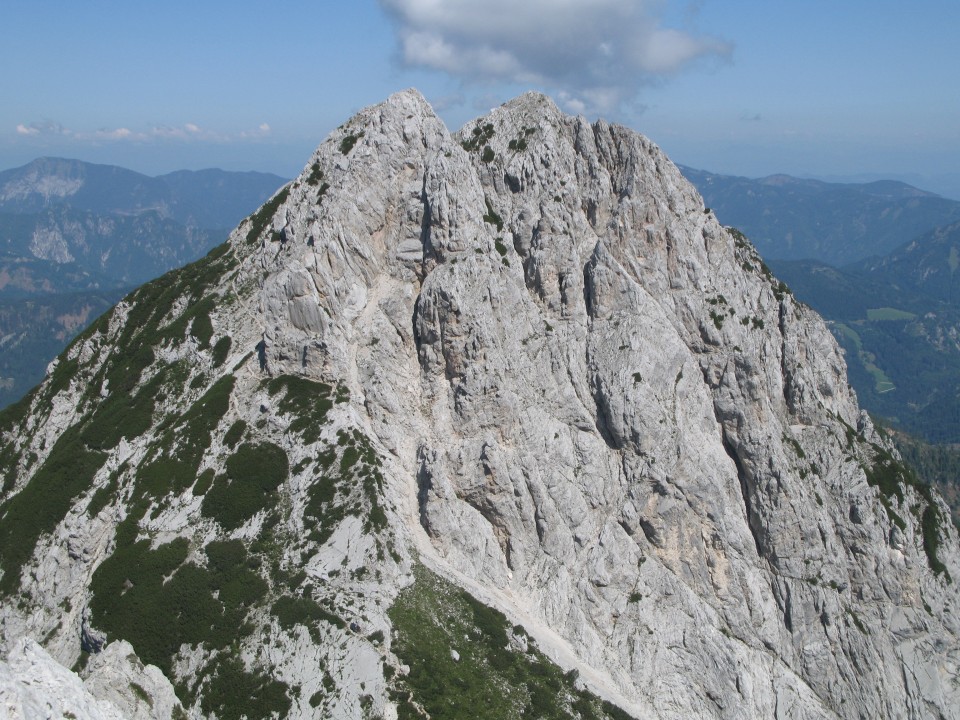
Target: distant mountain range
x,y
927,265
789,218
204,198
119,224
75,237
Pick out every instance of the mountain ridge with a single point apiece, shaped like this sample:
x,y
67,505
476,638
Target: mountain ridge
x,y
790,218
526,357
47,182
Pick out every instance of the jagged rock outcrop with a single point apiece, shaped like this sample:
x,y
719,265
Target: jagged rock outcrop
x,y
34,685
524,360
117,686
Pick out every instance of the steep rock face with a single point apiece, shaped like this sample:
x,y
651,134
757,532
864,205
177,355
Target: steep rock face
x,y
526,358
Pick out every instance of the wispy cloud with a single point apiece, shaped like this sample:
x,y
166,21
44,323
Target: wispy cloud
x,y
46,127
596,54
263,130
114,134
187,132
445,102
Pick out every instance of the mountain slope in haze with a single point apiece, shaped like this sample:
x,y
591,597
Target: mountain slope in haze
x,y
925,266
27,276
120,223
125,250
206,198
452,416
216,198
106,189
34,330
789,218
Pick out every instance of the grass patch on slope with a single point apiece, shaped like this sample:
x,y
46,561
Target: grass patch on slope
x,y
173,462
349,482
307,401
37,509
888,313
493,678
158,602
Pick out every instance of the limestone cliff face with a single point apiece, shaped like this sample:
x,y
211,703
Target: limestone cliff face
x,y
571,392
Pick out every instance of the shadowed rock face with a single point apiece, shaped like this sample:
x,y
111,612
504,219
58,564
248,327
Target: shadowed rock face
x,y
576,395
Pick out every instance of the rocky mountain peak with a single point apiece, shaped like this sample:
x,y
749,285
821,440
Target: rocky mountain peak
x,y
451,408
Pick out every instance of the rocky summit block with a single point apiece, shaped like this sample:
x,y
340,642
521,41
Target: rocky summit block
x,y
490,424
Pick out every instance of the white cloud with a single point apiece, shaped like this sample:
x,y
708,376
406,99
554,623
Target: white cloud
x,y
173,133
116,134
188,132
42,128
262,131
596,54
445,102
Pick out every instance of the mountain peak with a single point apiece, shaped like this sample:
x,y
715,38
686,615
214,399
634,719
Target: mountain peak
x,y
410,97
450,405
533,100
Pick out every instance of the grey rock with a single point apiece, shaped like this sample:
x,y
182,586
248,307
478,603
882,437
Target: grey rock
x,y
33,686
140,692
91,639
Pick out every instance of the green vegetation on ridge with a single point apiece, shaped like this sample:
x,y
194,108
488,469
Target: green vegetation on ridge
x,y
126,412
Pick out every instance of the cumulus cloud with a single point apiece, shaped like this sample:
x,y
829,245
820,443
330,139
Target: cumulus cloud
x,y
596,54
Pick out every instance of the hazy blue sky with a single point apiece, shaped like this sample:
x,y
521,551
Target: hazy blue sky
x,y
746,87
